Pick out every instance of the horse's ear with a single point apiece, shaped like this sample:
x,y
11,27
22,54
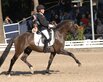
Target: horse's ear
x,y
76,26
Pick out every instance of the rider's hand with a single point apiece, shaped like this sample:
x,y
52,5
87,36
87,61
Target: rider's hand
x,y
51,26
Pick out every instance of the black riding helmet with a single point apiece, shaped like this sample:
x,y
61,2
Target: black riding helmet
x,y
39,7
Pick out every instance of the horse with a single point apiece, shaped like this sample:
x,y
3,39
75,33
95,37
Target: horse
x,y
24,43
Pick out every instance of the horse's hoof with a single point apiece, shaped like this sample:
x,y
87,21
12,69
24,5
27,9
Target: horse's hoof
x,y
47,71
8,76
31,70
0,71
9,73
79,64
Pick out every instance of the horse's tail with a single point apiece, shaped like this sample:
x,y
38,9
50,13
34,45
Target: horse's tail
x,y
6,51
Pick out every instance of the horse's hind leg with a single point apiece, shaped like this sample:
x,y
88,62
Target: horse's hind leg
x,y
27,52
50,61
13,60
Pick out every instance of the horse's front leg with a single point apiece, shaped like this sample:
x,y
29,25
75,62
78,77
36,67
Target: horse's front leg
x,y
50,61
27,52
64,52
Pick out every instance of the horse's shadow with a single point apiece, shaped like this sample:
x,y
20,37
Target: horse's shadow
x,y
28,73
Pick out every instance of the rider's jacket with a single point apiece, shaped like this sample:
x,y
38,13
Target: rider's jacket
x,y
42,21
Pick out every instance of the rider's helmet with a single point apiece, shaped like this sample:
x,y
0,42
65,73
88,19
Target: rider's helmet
x,y
39,7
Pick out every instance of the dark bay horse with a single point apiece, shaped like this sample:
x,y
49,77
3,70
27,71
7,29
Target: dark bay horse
x,y
25,43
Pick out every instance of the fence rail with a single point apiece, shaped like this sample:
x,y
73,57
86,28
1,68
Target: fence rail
x,y
3,46
84,44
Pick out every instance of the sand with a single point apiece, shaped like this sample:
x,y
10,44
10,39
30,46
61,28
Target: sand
x,y
63,68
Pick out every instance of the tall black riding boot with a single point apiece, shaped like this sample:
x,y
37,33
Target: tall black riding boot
x,y
46,46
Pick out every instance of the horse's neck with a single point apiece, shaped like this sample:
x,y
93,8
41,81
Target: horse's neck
x,y
61,32
59,36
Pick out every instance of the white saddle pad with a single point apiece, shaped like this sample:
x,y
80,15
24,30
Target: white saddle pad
x,y
38,39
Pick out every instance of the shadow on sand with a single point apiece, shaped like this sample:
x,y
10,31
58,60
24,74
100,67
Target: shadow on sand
x,y
28,73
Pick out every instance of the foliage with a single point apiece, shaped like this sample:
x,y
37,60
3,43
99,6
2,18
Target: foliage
x,y
80,35
69,37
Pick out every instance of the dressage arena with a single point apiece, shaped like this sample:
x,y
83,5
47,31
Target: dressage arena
x,y
63,68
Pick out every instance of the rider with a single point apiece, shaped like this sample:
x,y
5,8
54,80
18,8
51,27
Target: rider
x,y
43,25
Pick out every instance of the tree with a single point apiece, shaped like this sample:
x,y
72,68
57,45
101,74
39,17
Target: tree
x,y
1,25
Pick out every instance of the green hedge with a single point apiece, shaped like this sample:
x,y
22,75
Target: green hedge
x,y
80,35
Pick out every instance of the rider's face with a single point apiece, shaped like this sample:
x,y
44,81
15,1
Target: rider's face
x,y
42,11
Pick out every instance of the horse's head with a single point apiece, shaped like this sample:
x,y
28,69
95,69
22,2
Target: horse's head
x,y
73,29
67,26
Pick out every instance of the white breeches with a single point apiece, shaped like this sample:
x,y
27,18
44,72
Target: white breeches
x,y
45,32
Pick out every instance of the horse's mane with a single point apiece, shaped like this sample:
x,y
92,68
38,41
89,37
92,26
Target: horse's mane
x,y
63,23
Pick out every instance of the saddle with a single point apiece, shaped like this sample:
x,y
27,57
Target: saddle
x,y
39,39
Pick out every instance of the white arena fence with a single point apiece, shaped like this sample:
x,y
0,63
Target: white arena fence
x,y
3,46
72,44
84,44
